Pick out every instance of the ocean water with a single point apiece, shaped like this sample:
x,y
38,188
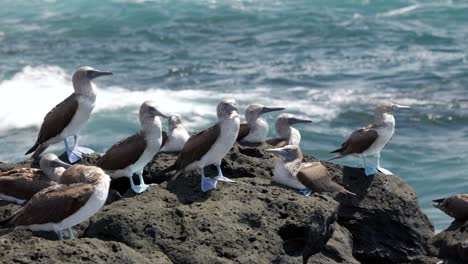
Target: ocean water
x,y
330,61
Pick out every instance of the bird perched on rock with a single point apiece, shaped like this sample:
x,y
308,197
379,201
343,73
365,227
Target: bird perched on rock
x,y
133,153
176,137
256,128
210,146
455,206
372,139
305,177
19,185
62,206
285,133
68,117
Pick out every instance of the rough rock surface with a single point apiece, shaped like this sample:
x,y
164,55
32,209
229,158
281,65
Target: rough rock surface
x,y
452,243
251,221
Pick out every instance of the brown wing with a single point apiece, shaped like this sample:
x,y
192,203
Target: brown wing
x,y
23,183
124,153
455,206
164,138
277,142
52,205
197,146
359,141
58,118
243,131
315,177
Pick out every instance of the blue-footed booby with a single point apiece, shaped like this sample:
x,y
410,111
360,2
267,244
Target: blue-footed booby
x,y
285,133
19,185
176,137
133,153
210,146
68,117
256,128
62,206
455,206
372,139
305,177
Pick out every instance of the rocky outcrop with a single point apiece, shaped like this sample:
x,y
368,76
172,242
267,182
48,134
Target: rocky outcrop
x,y
251,221
452,243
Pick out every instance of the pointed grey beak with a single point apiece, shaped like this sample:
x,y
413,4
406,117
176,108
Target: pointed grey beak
x,y
156,112
270,109
58,163
294,120
95,73
397,106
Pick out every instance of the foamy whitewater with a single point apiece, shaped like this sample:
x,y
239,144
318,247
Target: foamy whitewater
x,y
329,61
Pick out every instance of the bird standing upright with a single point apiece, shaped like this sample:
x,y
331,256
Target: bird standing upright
x,y
67,118
177,135
133,153
210,146
286,134
372,139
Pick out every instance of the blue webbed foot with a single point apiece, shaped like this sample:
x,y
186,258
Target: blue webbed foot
x,y
70,234
306,192
370,171
138,188
77,152
385,171
223,179
208,183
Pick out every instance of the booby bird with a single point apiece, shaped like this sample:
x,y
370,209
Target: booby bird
x,y
455,206
372,139
19,185
256,128
210,146
177,136
68,117
62,206
286,134
133,153
306,177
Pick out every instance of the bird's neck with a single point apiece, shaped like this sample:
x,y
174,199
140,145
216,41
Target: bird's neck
x,y
293,166
85,88
284,131
54,173
258,124
384,119
151,128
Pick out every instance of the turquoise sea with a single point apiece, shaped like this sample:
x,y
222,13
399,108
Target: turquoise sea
x,y
327,60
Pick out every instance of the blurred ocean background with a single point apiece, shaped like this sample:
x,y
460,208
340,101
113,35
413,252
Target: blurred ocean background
x,y
328,60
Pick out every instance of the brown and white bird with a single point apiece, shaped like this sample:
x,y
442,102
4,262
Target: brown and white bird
x,y
210,146
256,128
133,153
177,135
372,139
455,206
67,118
285,133
19,185
62,206
305,177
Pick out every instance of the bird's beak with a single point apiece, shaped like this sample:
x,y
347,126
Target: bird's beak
x,y
270,109
234,108
156,112
397,106
58,163
95,73
294,120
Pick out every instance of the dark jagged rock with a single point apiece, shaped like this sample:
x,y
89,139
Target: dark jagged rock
x,y
452,243
253,221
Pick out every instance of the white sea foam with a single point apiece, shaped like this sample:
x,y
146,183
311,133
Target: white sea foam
x,y
401,11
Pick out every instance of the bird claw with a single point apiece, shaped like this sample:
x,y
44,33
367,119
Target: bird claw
x,y
370,171
208,184
306,192
385,171
223,179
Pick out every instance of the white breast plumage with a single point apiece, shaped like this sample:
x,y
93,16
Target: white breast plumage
x,y
282,176
85,107
258,132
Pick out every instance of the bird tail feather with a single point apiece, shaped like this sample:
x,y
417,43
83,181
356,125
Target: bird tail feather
x,y
36,145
